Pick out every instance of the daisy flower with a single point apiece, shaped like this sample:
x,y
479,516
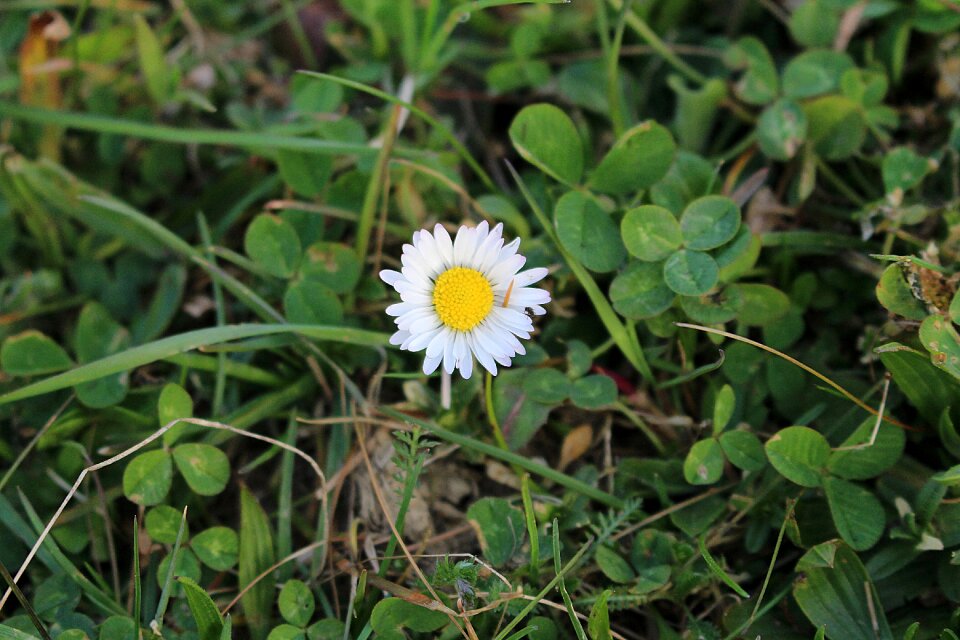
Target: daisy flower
x,y
464,299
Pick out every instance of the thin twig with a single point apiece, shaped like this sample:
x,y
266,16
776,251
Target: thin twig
x,y
140,445
846,394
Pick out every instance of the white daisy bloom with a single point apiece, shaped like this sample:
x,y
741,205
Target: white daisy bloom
x,y
464,299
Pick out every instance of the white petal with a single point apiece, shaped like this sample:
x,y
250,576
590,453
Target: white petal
x,y
431,254
464,246
398,338
513,318
530,276
435,348
421,340
444,244
503,272
401,308
430,364
417,297
483,357
449,358
390,276
527,297
427,323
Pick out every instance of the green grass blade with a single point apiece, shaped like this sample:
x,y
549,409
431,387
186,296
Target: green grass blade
x,y
718,570
256,556
157,623
626,342
568,603
173,345
137,588
94,594
204,611
181,135
420,113
535,601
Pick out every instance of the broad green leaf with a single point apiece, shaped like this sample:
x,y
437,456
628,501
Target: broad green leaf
x,y
814,24
704,462
690,177
743,450
690,273
286,632
187,567
640,158
650,233
331,264
598,625
117,628
715,307
205,613
815,73
174,403
31,353
97,336
9,633
510,401
547,385
163,523
903,169
205,467
148,477
309,301
868,462
499,527
296,603
546,137
393,614
929,390
157,74
217,547
326,629
594,392
856,512
639,291
273,244
799,454
781,129
164,305
724,405
739,256
303,172
832,574
837,128
588,232
896,296
761,304
256,556
759,83
613,565
709,222
941,339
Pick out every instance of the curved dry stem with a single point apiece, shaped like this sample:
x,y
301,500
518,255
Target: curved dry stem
x,y
322,494
842,391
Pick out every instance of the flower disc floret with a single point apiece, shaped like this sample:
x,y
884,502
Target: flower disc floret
x,y
462,297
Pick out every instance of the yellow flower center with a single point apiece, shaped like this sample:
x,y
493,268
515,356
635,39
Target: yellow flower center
x,y
462,297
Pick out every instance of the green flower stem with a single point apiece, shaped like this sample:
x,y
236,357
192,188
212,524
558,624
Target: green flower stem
x,y
644,31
